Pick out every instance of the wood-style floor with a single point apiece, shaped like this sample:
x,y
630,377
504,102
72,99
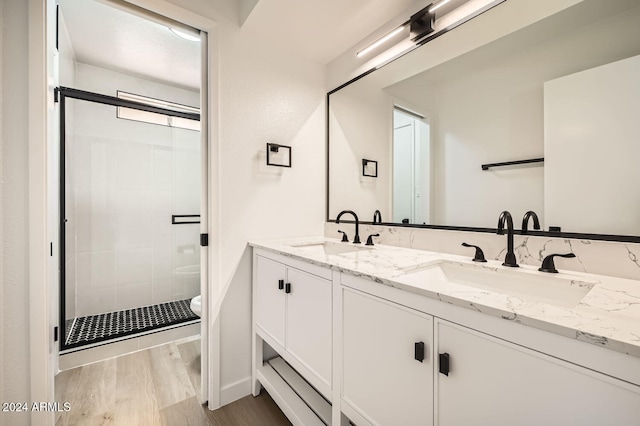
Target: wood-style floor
x,y
158,386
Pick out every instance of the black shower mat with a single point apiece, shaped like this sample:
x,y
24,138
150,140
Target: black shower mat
x,y
98,328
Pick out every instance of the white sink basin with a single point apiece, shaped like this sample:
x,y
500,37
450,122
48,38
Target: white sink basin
x,y
330,248
530,286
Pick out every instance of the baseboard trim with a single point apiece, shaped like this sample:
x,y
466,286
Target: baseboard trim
x,y
234,391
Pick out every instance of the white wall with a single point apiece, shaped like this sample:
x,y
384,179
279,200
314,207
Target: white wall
x,y
266,95
14,299
591,149
127,179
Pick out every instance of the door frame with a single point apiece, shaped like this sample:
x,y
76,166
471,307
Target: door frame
x,y
42,139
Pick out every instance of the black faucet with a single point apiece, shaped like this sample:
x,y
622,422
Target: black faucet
x,y
356,239
510,258
525,221
377,217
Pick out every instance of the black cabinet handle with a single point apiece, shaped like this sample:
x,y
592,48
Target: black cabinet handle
x,y
280,284
418,351
444,363
287,288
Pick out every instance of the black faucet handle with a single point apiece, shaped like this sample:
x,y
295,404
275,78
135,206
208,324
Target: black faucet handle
x,y
370,239
345,239
479,256
548,264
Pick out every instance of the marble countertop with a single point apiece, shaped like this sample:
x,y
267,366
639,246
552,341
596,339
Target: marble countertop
x,y
608,315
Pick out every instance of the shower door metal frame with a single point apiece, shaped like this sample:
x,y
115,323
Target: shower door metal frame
x,y
61,93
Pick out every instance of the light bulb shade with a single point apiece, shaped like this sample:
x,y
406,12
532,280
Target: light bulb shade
x,y
421,23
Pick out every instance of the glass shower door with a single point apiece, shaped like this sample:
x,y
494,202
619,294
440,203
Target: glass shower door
x,y
131,264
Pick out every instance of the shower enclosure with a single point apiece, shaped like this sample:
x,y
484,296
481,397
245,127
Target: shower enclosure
x,y
130,178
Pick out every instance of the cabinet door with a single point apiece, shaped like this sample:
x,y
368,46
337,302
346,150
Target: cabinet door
x,y
309,322
382,380
269,304
493,382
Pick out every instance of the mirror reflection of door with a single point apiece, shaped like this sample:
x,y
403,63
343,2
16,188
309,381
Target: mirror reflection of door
x,y
411,167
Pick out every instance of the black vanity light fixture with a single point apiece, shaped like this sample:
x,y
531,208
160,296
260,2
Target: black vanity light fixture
x,y
369,168
421,25
278,155
423,22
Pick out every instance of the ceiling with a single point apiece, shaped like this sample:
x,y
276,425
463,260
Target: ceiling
x,y
322,29
104,36
110,38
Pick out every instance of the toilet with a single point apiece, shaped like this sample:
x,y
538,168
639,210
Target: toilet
x,y
196,305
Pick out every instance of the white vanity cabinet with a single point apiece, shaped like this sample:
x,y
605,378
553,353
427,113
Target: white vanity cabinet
x,y
359,349
293,314
387,362
493,382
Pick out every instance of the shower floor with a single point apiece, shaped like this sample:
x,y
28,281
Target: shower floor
x,y
98,328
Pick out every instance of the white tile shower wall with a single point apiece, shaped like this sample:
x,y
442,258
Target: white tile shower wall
x,y
128,178
592,256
